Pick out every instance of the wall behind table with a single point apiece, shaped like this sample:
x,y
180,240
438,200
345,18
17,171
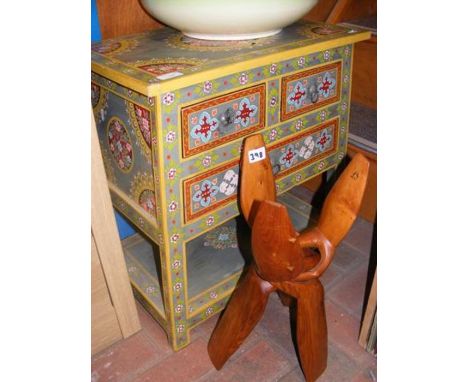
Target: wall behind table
x,y
124,227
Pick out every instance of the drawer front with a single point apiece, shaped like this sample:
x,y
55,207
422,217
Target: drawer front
x,y
205,192
305,148
310,89
222,119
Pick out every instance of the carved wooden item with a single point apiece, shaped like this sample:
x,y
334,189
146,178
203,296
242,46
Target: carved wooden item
x,y
283,260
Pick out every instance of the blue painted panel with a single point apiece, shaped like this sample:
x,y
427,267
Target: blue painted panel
x,y
123,226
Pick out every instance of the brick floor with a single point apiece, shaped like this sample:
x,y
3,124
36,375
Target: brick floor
x,y
268,353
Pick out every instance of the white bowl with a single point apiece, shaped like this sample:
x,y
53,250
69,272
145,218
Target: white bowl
x,y
228,19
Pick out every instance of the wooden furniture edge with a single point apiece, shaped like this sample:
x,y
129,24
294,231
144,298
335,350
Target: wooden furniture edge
x,y
104,230
371,311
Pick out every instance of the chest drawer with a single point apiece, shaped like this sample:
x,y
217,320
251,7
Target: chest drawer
x,y
222,119
310,89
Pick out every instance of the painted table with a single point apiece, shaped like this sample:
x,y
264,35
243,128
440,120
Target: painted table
x,y
171,115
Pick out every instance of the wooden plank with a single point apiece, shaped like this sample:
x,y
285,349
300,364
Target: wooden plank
x,y
336,15
105,328
123,17
368,209
371,311
365,73
108,244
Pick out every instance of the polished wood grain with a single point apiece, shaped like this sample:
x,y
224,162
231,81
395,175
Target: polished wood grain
x,y
257,183
278,256
244,310
311,325
284,263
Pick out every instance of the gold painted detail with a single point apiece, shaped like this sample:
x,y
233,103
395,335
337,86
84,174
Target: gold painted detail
x,y
142,191
158,66
141,121
184,42
113,47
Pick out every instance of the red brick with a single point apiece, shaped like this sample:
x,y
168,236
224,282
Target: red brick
x,y
343,331
261,363
187,364
122,360
349,293
339,366
153,331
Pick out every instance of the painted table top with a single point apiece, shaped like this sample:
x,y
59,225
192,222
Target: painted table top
x,y
152,60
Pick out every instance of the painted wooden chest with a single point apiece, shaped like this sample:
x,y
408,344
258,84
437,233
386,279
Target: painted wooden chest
x,y
171,115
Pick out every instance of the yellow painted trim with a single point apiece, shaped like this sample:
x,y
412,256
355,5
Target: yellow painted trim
x,y
168,305
218,284
194,78
122,79
162,319
142,213
206,306
152,279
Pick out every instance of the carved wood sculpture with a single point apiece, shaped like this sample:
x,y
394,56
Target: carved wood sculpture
x,y
283,260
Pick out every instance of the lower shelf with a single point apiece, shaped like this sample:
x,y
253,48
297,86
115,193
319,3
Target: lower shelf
x,y
214,263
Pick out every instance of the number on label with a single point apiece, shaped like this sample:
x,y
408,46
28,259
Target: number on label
x,y
257,155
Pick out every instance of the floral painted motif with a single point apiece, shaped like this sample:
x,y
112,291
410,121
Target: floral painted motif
x,y
147,200
171,173
299,124
206,161
307,149
289,156
210,220
229,183
221,238
171,136
323,140
301,61
207,87
173,206
273,68
298,95
273,101
143,117
245,113
206,126
175,237
168,98
120,144
273,134
243,78
327,85
205,193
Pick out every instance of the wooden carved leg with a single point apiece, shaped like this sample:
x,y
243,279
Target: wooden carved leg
x,y
311,330
244,310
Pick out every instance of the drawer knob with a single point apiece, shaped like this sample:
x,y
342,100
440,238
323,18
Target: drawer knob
x,y
313,92
227,118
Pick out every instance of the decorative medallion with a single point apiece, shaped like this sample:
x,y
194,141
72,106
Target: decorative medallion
x,y
113,47
221,238
142,191
120,144
184,42
158,66
141,120
312,31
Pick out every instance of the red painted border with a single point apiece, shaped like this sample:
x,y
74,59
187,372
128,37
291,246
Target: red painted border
x,y
187,185
186,111
294,77
332,122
